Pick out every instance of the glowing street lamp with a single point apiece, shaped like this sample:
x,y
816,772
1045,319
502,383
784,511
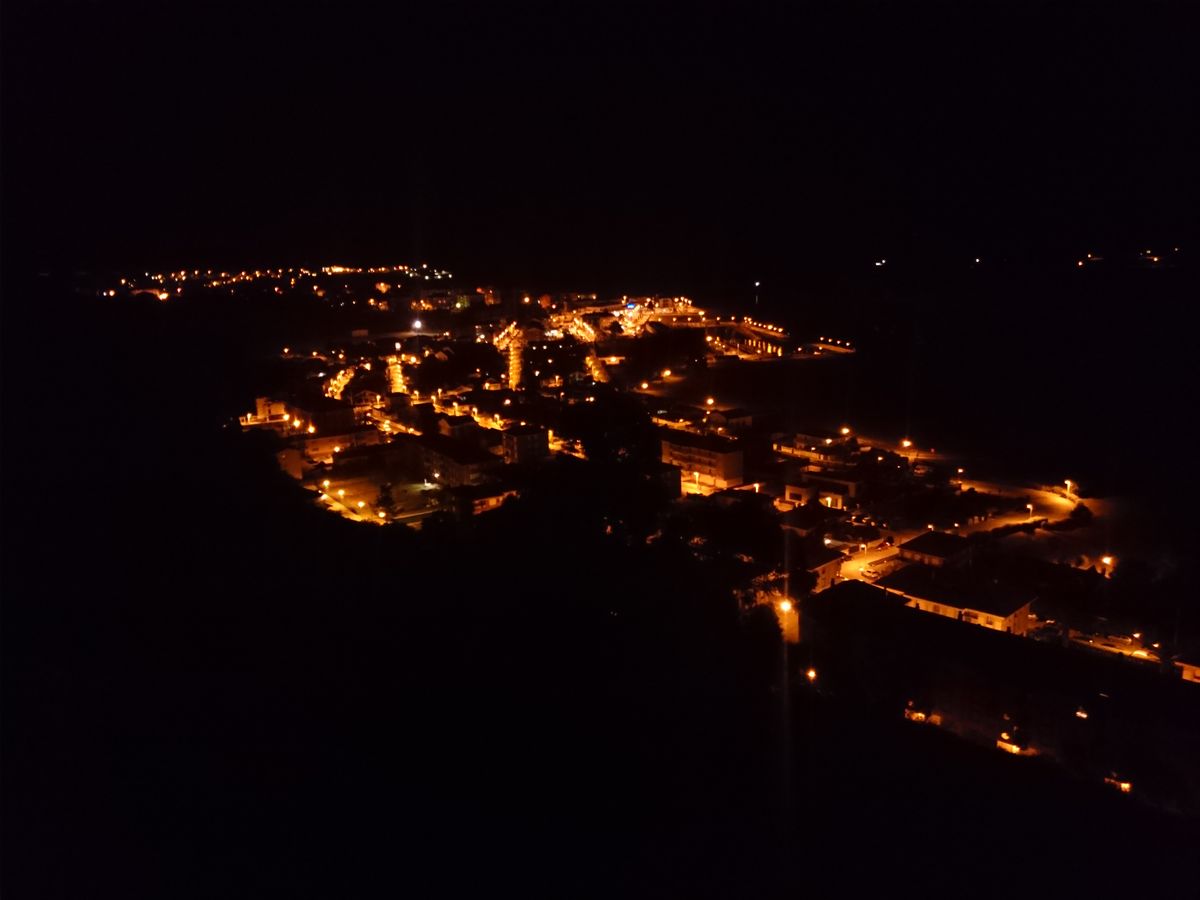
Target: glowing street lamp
x,y
1068,483
710,401
785,606
811,675
1107,560
906,443
1029,506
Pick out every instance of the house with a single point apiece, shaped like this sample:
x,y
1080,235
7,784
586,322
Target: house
x,y
322,446
460,427
273,413
824,563
736,419
475,499
806,520
1189,669
452,462
830,490
936,548
330,416
1001,607
525,444
367,399
704,459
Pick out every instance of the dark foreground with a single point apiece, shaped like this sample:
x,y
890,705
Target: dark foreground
x,y
211,689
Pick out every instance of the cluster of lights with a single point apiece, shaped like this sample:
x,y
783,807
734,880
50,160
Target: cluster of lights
x,y
214,279
766,327
839,343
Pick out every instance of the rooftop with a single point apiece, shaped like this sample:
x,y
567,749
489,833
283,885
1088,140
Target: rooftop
x,y
458,451
936,543
698,441
953,590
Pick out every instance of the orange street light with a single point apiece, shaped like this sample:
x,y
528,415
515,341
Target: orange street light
x,y
1107,560
811,675
906,443
785,606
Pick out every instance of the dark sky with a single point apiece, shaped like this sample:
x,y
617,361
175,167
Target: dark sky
x,y
593,142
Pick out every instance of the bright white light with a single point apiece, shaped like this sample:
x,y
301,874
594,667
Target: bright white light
x,y
416,324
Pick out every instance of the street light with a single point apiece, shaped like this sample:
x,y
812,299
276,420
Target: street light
x,y
1029,506
906,443
1068,484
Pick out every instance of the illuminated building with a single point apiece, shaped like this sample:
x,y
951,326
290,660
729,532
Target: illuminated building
x,y
985,603
704,459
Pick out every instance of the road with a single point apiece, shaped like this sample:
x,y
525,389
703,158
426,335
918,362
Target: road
x,y
1046,505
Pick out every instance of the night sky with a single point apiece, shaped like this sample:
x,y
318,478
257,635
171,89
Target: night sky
x,y
594,143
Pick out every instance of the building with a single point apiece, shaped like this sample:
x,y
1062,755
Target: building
x,y
330,416
990,604
459,427
453,463
267,412
829,490
936,548
525,444
824,564
476,499
807,520
736,419
703,459
321,446
1005,692
367,399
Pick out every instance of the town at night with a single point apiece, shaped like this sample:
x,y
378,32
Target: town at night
x,y
599,454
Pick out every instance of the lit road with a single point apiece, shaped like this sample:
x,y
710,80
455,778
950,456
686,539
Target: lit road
x,y
1046,505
